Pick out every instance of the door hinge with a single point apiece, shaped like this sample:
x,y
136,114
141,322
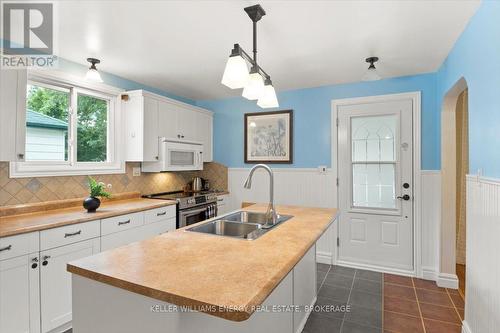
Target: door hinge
x,y
337,182
337,122
338,242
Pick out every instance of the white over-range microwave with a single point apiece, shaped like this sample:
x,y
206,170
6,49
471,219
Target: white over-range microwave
x,y
176,156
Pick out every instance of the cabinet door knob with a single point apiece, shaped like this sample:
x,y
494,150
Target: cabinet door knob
x,y
20,156
34,262
405,197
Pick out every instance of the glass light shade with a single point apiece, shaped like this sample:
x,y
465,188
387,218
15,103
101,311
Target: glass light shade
x,y
93,75
254,87
371,75
268,98
236,73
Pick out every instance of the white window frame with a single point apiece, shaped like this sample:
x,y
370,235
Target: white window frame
x,y
115,162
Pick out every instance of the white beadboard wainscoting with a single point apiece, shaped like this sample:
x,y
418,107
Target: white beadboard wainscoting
x,y
292,186
309,187
482,301
431,217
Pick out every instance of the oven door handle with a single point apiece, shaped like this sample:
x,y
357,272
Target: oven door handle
x,y
193,211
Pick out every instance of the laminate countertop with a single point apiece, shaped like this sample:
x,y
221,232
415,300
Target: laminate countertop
x,y
222,276
36,221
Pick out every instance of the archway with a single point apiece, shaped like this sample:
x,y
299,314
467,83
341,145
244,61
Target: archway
x,y
453,160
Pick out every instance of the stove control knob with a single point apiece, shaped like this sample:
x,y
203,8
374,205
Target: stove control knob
x,y
191,201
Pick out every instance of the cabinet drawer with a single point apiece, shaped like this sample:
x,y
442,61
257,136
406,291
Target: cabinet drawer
x,y
222,200
19,245
158,228
158,214
121,223
69,234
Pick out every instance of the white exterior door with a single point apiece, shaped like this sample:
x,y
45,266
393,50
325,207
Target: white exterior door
x,y
375,162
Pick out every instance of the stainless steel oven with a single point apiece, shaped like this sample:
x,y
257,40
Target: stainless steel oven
x,y
197,214
192,207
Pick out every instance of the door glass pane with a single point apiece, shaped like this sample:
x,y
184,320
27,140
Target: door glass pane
x,y
92,129
373,138
181,157
373,142
46,123
373,185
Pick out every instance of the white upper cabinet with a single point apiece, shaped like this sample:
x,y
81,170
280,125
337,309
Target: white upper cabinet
x,y
204,133
13,115
149,116
141,127
168,117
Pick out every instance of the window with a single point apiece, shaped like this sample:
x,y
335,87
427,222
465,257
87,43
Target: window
x,y
373,157
71,129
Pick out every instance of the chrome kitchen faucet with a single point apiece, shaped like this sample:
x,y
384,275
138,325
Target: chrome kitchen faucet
x,y
272,216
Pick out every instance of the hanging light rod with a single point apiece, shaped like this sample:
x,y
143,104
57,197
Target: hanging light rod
x,y
256,84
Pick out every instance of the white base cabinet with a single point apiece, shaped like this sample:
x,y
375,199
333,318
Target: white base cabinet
x,y
223,204
19,294
125,237
36,288
55,282
100,308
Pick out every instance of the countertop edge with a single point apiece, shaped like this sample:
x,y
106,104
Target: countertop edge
x,y
236,316
98,216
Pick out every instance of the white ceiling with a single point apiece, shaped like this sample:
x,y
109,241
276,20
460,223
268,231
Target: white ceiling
x,y
182,46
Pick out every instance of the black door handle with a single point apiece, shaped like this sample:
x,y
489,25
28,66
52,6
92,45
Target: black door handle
x,y
405,197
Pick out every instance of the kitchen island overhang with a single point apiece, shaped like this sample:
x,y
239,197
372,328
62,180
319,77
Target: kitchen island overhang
x,y
221,276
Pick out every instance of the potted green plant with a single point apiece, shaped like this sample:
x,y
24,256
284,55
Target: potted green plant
x,y
97,190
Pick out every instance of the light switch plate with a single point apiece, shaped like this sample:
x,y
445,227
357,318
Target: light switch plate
x,y
136,172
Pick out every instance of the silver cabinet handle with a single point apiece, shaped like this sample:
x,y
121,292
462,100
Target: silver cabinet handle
x,y
161,214
72,234
7,248
124,222
220,199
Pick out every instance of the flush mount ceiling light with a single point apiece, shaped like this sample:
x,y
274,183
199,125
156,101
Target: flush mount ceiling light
x,y
371,74
256,84
92,73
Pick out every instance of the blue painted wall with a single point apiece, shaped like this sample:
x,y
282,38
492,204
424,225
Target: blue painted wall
x,y
117,81
476,57
312,124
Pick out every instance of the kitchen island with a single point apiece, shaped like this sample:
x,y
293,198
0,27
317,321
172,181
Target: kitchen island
x,y
235,285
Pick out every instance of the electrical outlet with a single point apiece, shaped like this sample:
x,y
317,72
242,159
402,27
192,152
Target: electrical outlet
x,y
322,169
136,172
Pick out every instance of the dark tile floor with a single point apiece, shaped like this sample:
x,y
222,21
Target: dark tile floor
x,y
365,302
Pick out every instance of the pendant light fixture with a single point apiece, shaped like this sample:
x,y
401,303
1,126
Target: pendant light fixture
x,y
371,74
256,84
92,73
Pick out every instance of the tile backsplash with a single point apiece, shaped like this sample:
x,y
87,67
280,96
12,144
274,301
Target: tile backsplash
x,y
14,191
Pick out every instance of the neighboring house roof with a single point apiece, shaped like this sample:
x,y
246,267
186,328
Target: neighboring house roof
x,y
35,119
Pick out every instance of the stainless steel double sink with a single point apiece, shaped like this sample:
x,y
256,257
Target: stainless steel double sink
x,y
240,224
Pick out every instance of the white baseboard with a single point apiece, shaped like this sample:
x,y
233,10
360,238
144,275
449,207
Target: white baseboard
x,y
302,324
429,273
446,280
465,327
376,268
324,257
